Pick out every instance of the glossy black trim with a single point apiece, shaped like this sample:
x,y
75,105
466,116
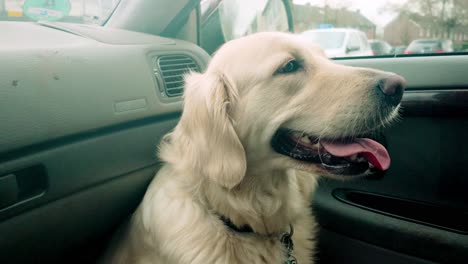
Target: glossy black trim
x,y
439,103
442,217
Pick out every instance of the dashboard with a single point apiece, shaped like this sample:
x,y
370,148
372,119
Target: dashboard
x,y
63,74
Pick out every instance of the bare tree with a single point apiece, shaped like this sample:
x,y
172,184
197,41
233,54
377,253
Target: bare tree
x,y
442,15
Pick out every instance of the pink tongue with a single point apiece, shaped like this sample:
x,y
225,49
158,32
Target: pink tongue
x,y
373,151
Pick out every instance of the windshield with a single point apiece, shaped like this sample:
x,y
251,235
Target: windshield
x,y
74,11
326,40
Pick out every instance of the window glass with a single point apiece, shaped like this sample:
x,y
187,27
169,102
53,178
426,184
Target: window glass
x,y
391,26
224,20
240,17
73,11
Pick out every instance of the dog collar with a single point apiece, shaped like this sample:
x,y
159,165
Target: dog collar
x,y
285,238
243,229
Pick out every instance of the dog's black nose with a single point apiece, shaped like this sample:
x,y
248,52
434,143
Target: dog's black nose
x,y
392,88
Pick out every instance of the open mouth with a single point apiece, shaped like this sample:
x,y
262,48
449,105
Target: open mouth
x,y
345,156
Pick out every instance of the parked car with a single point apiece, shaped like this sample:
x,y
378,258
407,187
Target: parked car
x,y
380,47
429,46
399,49
340,42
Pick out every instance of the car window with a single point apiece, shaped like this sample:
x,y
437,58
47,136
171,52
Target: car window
x,y
73,11
240,18
224,20
403,24
395,23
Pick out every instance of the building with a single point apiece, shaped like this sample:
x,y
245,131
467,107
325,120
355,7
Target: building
x,y
407,27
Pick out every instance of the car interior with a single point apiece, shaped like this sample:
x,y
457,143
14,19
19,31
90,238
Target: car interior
x,y
83,108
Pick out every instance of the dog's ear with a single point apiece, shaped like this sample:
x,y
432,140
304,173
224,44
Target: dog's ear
x,y
213,144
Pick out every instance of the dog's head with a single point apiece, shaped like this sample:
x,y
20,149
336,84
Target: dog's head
x,y
273,100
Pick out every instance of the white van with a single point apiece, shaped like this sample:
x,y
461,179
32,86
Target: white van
x,y
340,42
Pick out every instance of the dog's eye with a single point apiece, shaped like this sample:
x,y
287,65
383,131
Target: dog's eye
x,y
291,66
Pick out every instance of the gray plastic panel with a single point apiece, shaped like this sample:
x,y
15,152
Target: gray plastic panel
x,y
66,231
337,249
68,84
80,163
388,232
427,164
109,35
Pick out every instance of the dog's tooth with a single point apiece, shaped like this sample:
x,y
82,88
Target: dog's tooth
x,y
353,157
305,139
361,159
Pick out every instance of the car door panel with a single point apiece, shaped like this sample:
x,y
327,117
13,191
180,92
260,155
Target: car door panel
x,y
425,188
82,115
337,248
76,227
75,165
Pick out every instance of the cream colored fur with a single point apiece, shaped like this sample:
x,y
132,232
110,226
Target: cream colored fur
x,y
218,160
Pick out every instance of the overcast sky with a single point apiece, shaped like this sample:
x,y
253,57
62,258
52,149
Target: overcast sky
x,y
372,9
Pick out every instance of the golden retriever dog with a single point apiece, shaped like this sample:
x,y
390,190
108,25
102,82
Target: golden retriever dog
x,y
268,116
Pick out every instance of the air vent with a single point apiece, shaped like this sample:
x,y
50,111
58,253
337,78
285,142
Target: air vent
x,y
173,68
